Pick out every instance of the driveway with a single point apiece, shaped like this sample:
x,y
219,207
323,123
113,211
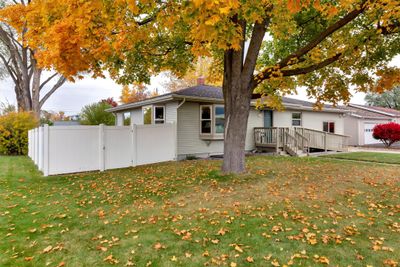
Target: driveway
x,y
376,148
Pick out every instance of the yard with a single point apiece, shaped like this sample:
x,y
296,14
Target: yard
x,y
285,211
390,158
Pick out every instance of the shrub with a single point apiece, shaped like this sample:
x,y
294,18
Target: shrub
x,y
14,129
388,133
95,114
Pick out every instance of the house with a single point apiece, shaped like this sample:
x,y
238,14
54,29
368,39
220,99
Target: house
x,y
361,120
198,113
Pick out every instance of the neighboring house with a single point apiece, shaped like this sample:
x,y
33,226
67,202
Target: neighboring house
x,y
199,116
361,120
66,123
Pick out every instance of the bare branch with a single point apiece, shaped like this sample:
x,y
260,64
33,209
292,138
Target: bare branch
x,y
47,80
58,84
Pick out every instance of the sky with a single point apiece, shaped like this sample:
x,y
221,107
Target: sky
x,y
71,97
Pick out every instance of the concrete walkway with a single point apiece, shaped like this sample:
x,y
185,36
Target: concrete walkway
x,y
373,149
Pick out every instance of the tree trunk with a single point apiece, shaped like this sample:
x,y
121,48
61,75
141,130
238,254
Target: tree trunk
x,y
237,97
36,92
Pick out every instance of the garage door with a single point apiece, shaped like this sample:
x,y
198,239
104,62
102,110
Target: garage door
x,y
368,130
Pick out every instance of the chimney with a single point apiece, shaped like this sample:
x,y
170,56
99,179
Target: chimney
x,y
201,80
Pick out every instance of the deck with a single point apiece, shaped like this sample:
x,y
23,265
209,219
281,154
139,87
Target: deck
x,y
297,141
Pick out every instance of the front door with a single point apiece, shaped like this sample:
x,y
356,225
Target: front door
x,y
267,118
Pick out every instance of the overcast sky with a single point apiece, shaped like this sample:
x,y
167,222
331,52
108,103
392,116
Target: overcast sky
x,y
71,97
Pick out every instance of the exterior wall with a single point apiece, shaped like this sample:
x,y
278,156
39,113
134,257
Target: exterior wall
x,y
171,112
136,116
119,119
309,119
189,141
352,128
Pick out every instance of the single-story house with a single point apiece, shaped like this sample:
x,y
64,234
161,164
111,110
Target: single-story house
x,y
361,120
198,112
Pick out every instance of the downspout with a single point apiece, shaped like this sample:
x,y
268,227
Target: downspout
x,y
183,102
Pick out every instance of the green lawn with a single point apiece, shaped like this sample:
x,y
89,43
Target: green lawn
x,y
369,156
286,211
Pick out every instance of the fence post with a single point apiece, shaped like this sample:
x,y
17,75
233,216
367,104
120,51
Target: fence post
x,y
35,143
46,157
134,145
101,148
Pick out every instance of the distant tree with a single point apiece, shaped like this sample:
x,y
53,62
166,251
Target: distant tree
x,y
6,107
95,114
388,99
388,133
138,92
110,101
204,67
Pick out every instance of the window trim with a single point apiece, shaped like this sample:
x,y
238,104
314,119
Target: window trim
x,y
155,120
329,122
301,119
151,115
210,119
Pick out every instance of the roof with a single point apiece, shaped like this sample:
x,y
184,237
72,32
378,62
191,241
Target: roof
x,y
373,111
207,93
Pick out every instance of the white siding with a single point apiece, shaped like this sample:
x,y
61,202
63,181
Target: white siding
x,y
310,119
352,129
256,119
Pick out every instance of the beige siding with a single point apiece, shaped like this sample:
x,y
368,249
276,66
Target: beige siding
x,y
310,119
136,116
189,141
171,113
352,129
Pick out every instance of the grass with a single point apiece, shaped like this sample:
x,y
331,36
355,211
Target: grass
x,y
293,211
379,157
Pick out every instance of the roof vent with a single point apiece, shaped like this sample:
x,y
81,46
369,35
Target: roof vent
x,y
201,80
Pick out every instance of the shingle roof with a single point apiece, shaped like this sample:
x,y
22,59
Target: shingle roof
x,y
365,113
373,111
213,92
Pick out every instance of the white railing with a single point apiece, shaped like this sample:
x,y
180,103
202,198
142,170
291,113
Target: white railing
x,y
299,139
70,149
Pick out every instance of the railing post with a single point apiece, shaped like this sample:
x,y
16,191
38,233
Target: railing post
x,y
325,142
101,148
277,138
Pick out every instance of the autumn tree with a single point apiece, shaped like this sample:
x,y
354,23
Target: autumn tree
x,y
206,68
325,46
18,62
138,92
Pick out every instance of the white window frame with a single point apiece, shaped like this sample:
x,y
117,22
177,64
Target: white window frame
x,y
301,119
210,119
329,122
151,117
155,120
215,120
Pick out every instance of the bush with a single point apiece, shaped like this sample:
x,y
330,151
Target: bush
x,y
388,133
95,114
14,129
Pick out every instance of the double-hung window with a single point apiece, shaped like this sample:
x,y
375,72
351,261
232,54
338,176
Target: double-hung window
x,y
159,114
296,119
205,119
329,126
219,121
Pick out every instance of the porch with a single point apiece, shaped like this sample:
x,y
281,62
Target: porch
x,y
297,141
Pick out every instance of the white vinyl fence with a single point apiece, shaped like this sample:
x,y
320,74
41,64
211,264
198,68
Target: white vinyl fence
x,y
70,149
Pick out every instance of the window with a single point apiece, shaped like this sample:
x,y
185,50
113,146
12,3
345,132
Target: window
x,y
147,111
329,127
296,119
159,114
205,119
127,118
219,119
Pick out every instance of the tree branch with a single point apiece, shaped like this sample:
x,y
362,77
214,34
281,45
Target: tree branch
x,y
47,80
312,44
311,68
59,83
